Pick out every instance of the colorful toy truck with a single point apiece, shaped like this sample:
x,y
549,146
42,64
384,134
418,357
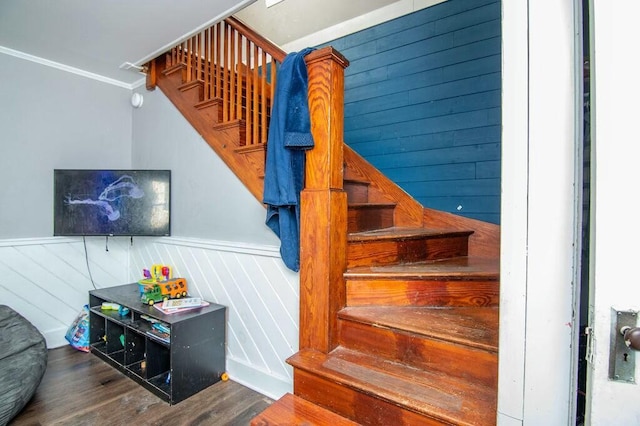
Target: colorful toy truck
x,y
173,288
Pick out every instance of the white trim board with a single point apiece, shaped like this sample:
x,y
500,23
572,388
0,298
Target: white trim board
x,y
258,380
69,69
226,246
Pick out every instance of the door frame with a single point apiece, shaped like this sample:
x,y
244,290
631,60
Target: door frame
x,y
540,213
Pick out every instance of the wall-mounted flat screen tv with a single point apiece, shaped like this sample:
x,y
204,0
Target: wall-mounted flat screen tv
x,y
111,202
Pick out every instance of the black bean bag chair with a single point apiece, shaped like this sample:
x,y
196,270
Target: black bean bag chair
x,y
23,360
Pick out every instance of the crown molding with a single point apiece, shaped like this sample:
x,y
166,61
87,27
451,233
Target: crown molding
x,y
70,69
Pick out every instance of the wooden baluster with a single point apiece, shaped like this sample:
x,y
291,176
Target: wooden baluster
x,y
323,226
207,65
194,58
188,59
199,57
239,70
247,95
254,104
274,72
214,62
218,61
225,77
232,80
263,100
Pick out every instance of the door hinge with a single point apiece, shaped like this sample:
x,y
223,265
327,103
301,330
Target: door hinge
x,y
588,331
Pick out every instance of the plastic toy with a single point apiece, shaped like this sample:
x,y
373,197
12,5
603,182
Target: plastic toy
x,y
107,306
158,285
173,288
157,274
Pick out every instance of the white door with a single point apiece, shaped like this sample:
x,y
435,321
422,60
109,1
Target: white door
x,y
616,198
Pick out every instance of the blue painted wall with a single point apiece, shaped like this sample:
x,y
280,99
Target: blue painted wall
x,y
422,104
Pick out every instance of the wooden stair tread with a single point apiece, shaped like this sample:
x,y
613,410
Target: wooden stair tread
x,y
428,393
174,68
469,326
293,410
468,268
403,233
208,102
370,205
356,181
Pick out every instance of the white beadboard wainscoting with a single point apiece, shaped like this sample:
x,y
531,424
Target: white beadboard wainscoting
x,y
260,293
47,281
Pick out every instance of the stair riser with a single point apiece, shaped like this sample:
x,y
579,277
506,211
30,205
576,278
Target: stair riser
x,y
177,74
421,351
357,192
232,130
367,219
211,110
363,408
422,293
372,253
192,92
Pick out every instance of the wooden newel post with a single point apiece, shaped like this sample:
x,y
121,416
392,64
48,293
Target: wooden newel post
x,y
152,75
323,222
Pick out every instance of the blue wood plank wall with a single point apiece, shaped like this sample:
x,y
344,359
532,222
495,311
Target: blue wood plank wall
x,y
422,104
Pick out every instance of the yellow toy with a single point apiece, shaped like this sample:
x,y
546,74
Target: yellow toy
x,y
159,285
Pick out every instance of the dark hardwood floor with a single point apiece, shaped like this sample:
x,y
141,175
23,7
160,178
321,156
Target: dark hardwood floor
x,y
80,389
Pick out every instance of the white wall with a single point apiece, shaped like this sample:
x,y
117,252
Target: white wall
x,y
260,293
207,199
53,119
47,279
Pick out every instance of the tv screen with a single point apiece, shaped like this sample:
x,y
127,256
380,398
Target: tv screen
x,y
111,202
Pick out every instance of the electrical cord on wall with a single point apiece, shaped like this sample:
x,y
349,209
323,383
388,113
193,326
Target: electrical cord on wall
x,y
86,258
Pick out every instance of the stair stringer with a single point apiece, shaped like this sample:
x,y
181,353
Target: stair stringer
x,y
485,240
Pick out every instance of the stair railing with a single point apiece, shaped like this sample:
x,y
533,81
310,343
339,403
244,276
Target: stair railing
x,y
238,67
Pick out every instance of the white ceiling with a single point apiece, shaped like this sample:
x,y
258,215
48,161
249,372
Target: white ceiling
x,y
98,37
293,19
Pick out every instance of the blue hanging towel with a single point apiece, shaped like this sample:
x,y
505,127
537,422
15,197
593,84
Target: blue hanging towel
x,y
289,137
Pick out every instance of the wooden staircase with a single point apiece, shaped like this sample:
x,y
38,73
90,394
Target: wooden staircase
x,y
398,303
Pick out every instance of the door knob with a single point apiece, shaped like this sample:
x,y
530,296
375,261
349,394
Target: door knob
x,y
631,337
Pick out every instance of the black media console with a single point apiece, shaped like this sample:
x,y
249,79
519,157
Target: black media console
x,y
174,366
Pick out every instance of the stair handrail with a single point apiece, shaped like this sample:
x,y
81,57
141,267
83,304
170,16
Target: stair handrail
x,y
261,41
323,232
